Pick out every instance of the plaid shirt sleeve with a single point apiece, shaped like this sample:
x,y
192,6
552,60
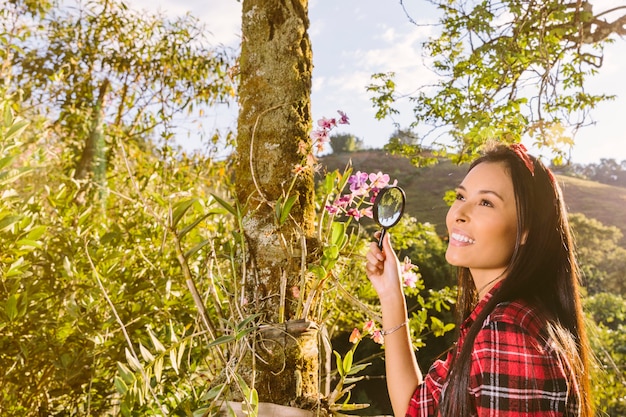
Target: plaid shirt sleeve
x,y
425,400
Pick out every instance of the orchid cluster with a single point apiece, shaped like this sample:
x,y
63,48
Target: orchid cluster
x,y
320,138
369,328
348,196
364,188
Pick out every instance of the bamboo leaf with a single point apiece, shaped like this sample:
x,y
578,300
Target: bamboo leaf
x,y
155,342
16,129
132,361
180,209
145,353
173,360
120,385
158,368
196,248
192,225
125,373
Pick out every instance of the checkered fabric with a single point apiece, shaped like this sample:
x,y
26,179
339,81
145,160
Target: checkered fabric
x,y
515,370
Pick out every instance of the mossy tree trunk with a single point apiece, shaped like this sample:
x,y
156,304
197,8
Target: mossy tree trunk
x,y
274,120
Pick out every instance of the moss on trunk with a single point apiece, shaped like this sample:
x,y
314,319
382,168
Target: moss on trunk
x,y
274,119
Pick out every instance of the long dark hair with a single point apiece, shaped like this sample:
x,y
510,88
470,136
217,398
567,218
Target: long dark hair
x,y
542,271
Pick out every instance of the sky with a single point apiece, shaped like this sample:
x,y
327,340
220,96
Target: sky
x,y
353,39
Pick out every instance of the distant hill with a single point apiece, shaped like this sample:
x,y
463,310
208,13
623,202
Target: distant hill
x,y
425,188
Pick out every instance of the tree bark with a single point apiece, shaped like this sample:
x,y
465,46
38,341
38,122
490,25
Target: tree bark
x,y
274,120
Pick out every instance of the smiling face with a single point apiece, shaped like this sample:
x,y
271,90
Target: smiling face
x,y
482,222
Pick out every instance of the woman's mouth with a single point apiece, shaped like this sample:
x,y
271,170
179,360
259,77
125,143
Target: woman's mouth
x,y
462,238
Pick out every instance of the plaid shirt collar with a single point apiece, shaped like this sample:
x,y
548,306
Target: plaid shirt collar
x,y
479,307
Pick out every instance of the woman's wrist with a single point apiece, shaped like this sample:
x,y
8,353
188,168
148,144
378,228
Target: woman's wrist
x,y
394,329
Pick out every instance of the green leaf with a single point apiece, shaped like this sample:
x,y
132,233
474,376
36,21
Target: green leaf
x,y
6,161
7,221
340,367
16,129
132,361
155,342
241,334
11,307
318,270
196,248
85,216
338,235
329,182
353,407
173,360
212,393
358,368
158,368
120,385
181,352
16,268
286,209
126,374
30,244
145,353
244,323
224,204
193,224
347,361
221,340
180,209
36,232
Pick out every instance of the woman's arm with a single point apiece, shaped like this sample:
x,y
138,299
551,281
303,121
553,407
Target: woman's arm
x,y
403,374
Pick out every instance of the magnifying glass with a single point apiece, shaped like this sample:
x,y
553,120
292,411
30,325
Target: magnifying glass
x,y
388,209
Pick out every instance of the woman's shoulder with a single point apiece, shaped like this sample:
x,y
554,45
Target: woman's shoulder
x,y
518,313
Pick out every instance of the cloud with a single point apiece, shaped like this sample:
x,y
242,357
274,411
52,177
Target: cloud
x,y
222,18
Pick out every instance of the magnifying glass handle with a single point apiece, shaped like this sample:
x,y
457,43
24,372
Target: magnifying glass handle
x,y
380,238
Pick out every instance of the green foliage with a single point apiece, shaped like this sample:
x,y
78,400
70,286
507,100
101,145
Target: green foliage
x,y
506,70
607,313
100,64
129,300
602,260
384,89
345,142
406,143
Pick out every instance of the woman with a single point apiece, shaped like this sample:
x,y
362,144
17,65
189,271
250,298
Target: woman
x,y
522,348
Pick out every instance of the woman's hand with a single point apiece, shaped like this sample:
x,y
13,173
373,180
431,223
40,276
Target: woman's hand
x,y
383,269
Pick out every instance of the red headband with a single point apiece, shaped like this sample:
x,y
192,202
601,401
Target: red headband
x,y
520,151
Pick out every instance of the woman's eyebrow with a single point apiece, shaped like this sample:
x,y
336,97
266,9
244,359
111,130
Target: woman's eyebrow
x,y
462,188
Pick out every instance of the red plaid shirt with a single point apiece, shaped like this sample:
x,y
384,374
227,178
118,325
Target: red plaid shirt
x,y
514,372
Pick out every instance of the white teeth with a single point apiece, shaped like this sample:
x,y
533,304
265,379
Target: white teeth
x,y
462,238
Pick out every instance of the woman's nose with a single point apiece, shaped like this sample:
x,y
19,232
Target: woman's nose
x,y
460,214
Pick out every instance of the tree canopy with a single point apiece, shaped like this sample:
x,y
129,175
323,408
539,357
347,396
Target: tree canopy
x,y
508,70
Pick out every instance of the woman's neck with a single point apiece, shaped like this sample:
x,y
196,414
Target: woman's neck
x,y
485,283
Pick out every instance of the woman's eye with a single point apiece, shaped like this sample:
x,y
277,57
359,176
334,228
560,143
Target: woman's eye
x,y
459,196
486,203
